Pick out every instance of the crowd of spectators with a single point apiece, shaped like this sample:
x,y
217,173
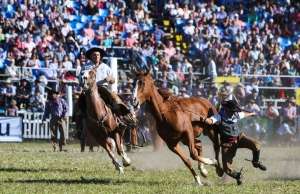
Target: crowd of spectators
x,y
45,41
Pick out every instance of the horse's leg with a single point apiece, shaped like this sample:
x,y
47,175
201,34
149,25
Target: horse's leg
x,y
120,149
202,169
107,145
178,150
190,140
157,141
213,136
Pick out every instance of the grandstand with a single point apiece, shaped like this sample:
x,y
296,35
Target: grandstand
x,y
192,47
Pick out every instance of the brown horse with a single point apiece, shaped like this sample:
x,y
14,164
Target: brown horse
x,y
147,119
100,121
178,121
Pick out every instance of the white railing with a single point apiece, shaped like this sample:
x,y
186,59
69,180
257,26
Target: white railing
x,y
35,128
275,101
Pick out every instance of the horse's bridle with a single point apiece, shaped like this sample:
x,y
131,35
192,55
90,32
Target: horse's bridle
x,y
88,90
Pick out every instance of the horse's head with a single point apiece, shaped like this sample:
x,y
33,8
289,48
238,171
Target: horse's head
x,y
89,79
144,87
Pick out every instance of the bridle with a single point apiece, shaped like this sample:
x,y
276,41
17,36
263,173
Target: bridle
x,y
88,90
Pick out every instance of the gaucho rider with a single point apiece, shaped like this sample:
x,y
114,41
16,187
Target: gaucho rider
x,y
231,137
104,79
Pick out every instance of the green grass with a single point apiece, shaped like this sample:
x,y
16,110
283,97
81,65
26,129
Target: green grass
x,y
33,168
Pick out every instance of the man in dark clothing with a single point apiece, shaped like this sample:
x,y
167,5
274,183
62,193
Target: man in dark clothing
x,y
56,107
23,93
231,137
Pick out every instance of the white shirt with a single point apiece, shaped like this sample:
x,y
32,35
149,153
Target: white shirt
x,y
103,71
212,69
189,29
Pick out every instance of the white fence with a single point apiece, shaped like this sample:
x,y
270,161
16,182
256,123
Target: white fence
x,y
34,128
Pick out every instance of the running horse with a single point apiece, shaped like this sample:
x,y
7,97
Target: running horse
x,y
179,121
101,122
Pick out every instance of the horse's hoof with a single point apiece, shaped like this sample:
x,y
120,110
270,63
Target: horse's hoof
x,y
121,170
204,173
126,163
198,181
219,171
203,170
125,160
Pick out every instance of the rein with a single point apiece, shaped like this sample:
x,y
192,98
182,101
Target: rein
x,y
100,122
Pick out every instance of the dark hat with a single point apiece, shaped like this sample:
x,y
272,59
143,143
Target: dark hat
x,y
223,92
89,52
127,91
53,91
232,105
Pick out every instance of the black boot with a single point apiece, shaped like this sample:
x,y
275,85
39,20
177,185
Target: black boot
x,y
238,177
256,163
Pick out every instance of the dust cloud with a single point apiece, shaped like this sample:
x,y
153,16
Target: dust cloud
x,y
282,162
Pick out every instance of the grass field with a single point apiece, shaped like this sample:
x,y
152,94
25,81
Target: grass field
x,y
33,168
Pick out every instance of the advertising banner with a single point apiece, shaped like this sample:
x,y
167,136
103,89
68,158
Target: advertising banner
x,y
10,129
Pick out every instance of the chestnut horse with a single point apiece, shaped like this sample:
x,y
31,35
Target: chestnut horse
x,y
100,121
178,121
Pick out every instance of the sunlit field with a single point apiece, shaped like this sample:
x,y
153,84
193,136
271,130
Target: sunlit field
x,y
34,168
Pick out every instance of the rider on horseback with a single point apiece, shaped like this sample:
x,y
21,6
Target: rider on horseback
x,y
231,137
104,79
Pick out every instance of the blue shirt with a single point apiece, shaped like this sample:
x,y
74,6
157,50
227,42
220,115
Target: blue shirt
x,y
227,122
57,109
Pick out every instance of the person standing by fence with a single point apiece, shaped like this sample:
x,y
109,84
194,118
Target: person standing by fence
x,y
57,107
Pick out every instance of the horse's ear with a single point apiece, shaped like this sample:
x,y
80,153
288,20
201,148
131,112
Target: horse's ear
x,y
147,71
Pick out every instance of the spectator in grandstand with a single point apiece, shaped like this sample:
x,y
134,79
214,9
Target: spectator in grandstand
x,y
212,69
10,66
9,91
57,107
289,117
34,61
272,114
37,102
169,50
91,8
158,34
23,94
239,93
39,85
258,130
12,109
213,97
254,96
189,30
